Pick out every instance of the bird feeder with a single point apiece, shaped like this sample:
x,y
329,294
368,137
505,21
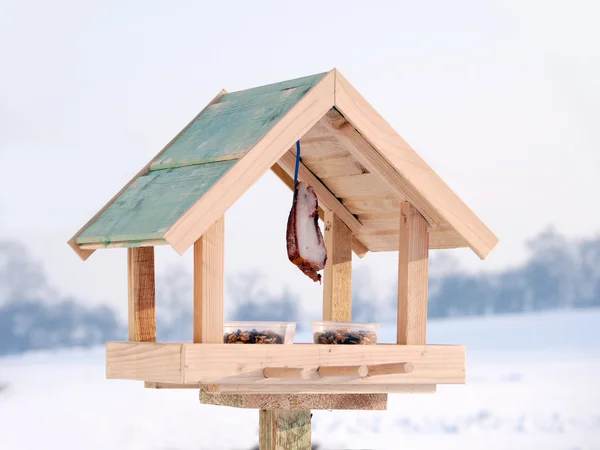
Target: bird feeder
x,y
375,194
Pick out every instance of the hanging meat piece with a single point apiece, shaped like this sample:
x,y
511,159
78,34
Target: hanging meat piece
x,y
305,244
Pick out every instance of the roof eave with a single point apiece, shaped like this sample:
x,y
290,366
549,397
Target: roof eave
x,y
85,254
432,197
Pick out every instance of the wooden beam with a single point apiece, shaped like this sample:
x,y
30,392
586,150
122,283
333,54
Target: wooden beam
x,y
285,430
413,261
85,254
123,244
141,294
155,385
408,171
259,159
192,162
243,364
209,267
292,401
333,389
337,278
357,247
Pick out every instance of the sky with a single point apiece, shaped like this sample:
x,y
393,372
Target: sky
x,y
501,98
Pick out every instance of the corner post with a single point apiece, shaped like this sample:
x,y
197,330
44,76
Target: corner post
x,y
209,279
337,279
141,294
413,261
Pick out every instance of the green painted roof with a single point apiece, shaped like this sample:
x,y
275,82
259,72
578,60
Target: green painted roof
x,y
227,129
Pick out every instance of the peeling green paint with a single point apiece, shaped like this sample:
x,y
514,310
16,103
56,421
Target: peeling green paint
x,y
153,203
184,172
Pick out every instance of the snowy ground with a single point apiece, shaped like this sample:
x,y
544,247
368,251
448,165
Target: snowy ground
x,y
532,383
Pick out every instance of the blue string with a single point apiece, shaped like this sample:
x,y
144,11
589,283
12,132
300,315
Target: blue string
x,y
297,162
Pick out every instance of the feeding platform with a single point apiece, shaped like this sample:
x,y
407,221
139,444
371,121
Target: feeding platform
x,y
375,194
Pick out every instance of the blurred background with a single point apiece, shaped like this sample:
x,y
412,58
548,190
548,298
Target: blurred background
x,y
501,98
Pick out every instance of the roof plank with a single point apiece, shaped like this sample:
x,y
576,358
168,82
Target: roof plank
x,y
153,203
84,254
213,142
259,159
235,123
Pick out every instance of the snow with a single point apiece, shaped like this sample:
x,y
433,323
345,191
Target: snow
x,y
531,384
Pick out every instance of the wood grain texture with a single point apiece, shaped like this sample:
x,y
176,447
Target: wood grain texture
x,y
284,429
84,254
413,264
236,122
412,175
372,204
209,281
196,161
141,294
327,167
319,401
286,372
258,388
244,364
337,276
124,244
155,385
153,203
364,184
259,159
144,361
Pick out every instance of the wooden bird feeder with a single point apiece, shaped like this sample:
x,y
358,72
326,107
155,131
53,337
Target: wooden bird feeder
x,y
375,194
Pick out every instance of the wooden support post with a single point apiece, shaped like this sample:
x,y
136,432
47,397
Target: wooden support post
x,y
209,267
413,260
141,294
285,430
337,282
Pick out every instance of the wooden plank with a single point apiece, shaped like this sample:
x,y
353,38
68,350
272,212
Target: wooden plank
x,y
322,147
376,243
195,161
321,401
388,240
236,123
288,163
333,167
153,202
380,221
124,244
144,361
413,262
337,278
258,388
366,184
284,430
371,205
357,247
85,254
444,238
212,205
406,170
155,385
209,281
243,364
141,294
